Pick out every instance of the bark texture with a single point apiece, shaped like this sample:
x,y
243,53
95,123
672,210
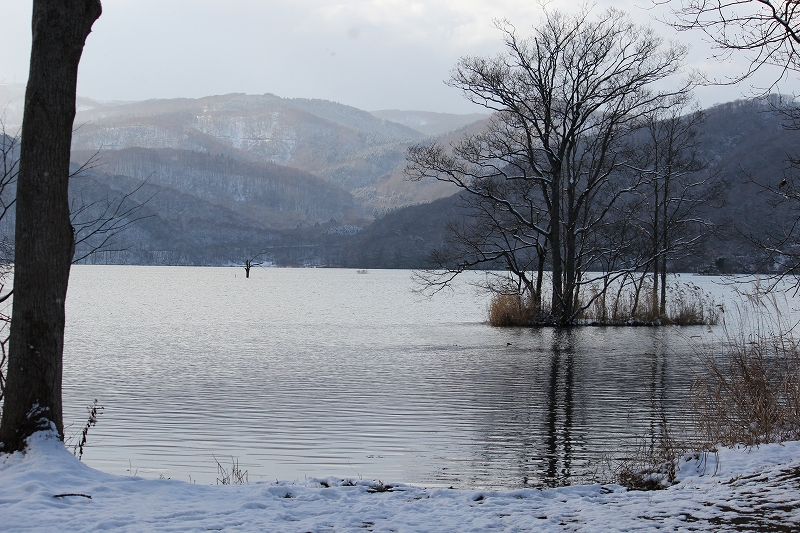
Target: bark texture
x,y
44,235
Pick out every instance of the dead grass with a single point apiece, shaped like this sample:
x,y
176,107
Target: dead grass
x,y
230,476
95,411
512,310
653,462
618,307
77,441
750,394
746,393
687,305
650,467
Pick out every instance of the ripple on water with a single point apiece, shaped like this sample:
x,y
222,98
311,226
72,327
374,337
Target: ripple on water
x,y
323,372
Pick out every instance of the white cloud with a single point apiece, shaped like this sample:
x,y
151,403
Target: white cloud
x,y
454,25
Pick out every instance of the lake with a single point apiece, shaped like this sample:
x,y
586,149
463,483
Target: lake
x,y
329,372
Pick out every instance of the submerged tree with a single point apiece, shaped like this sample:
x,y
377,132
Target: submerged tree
x,y
45,241
250,262
551,165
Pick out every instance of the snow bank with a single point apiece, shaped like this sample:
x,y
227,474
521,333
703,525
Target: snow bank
x,y
48,489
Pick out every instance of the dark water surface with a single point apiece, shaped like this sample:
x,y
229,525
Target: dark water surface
x,y
328,372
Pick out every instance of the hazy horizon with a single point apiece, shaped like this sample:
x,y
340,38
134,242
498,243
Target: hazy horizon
x,y
369,54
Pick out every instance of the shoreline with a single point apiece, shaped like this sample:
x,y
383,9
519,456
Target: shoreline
x,y
741,489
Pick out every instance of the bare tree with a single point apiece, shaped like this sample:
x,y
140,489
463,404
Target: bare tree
x,y
250,262
45,241
675,191
563,99
489,237
95,222
9,152
766,32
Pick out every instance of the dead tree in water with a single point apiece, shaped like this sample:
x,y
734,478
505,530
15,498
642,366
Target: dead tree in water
x,y
250,263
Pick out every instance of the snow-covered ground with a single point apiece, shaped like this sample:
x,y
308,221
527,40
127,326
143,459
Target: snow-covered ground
x,y
48,489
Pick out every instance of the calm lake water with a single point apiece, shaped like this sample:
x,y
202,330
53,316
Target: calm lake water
x,y
328,372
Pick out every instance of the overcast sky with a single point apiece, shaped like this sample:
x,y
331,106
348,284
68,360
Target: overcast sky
x,y
371,54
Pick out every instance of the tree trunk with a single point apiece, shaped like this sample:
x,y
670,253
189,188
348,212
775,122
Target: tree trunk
x,y
665,242
557,302
657,311
570,268
540,276
45,241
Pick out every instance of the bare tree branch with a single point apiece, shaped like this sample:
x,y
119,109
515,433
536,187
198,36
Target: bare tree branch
x,y
545,176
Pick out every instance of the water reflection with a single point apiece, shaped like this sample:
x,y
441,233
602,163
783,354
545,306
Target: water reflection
x,y
558,404
562,349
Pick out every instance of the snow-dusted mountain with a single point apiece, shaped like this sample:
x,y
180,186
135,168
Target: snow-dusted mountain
x,y
361,152
228,175
347,146
236,173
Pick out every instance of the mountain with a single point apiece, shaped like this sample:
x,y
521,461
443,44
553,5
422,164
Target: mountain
x,y
430,123
361,152
349,147
404,238
312,182
746,144
12,101
274,196
169,227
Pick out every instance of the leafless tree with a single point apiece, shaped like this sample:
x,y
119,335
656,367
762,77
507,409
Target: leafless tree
x,y
96,221
9,152
676,190
489,237
250,262
44,237
766,32
551,158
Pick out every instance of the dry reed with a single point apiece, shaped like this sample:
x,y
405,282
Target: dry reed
x,y
511,310
230,476
687,305
750,394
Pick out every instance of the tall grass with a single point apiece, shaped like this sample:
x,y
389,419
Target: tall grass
x,y
750,393
687,305
511,310
618,304
653,463
746,392
230,476
95,411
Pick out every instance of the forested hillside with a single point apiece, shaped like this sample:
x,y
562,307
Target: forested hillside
x,y
271,195
349,147
315,182
746,146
